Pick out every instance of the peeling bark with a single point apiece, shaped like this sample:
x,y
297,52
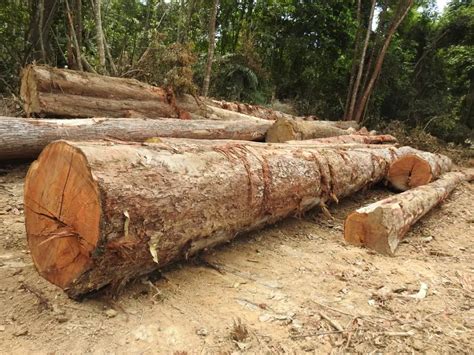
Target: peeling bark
x,y
102,213
383,224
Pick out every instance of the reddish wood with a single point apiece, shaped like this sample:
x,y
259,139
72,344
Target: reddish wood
x,y
383,224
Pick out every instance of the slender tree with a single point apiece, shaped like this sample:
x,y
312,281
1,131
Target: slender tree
x,y
99,34
356,85
403,9
210,51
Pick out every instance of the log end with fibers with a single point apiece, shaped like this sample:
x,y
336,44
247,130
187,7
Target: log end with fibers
x,y
285,129
60,195
366,229
409,171
28,91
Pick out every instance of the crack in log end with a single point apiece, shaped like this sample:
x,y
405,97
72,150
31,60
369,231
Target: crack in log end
x,y
409,171
64,194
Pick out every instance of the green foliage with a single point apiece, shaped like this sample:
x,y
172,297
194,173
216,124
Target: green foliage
x,y
267,50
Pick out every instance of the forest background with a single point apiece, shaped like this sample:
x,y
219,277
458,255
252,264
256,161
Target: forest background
x,y
376,61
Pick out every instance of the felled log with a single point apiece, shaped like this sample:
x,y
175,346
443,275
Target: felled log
x,y
102,213
383,224
413,170
285,129
270,114
48,91
348,139
24,138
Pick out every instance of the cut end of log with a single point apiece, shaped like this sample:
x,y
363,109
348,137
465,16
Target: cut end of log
x,y
283,130
366,229
408,172
60,196
28,91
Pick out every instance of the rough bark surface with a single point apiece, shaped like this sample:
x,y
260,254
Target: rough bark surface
x,y
99,214
350,139
24,138
56,92
417,169
285,129
383,224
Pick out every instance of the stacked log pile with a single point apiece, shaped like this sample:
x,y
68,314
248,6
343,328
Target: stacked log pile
x,y
161,178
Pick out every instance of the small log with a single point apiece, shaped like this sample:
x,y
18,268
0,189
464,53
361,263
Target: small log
x,y
270,114
413,170
383,224
24,138
285,129
349,139
102,213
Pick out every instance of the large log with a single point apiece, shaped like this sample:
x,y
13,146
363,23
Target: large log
x,y
417,168
24,138
102,213
383,224
57,92
285,129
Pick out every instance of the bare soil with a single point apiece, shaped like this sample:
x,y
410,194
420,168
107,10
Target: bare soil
x,y
292,287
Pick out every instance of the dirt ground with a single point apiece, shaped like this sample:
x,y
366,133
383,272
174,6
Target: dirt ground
x,y
292,287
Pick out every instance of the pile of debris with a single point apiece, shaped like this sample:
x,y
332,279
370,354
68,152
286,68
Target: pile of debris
x,y
130,178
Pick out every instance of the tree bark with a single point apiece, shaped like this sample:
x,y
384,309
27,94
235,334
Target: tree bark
x,y
420,168
383,224
102,213
355,87
362,102
290,129
24,138
210,51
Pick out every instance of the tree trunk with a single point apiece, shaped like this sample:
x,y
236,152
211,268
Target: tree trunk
x,y
362,102
100,35
349,139
102,213
290,129
413,170
210,51
383,224
73,37
354,63
355,87
24,138
42,15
